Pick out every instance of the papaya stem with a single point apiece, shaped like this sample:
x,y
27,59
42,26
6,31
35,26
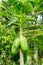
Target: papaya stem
x,y
21,58
20,32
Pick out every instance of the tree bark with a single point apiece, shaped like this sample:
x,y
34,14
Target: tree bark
x,y
21,53
21,58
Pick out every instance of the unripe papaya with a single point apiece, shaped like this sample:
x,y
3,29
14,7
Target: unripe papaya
x,y
23,43
15,46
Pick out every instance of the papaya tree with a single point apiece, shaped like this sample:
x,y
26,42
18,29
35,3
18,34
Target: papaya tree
x,y
20,20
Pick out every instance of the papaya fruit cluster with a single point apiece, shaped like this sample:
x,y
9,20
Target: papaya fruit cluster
x,y
19,42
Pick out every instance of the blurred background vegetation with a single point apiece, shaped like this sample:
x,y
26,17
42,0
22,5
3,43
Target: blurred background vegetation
x,y
30,13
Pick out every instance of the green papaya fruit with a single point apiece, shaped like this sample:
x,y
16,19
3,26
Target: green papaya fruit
x,y
23,44
15,46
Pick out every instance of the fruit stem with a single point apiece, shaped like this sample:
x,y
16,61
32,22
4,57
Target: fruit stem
x,y
20,32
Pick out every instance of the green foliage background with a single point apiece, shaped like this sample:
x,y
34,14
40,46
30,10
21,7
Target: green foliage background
x,y
16,13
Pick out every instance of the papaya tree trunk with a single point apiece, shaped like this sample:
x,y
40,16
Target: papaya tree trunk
x,y
21,53
21,58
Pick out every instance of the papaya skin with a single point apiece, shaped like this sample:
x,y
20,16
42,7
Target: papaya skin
x,y
20,42
15,46
23,44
